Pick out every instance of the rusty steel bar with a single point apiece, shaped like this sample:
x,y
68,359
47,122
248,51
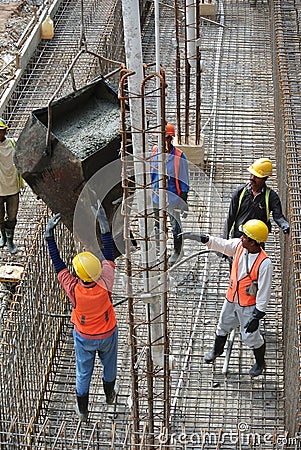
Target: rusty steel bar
x,y
187,72
288,45
198,80
178,73
124,74
157,413
206,401
19,316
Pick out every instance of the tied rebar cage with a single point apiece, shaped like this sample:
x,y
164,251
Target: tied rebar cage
x,y
36,311
146,272
206,406
286,17
188,71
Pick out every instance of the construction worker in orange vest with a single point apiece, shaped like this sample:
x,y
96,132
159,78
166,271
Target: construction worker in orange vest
x,y
177,188
95,326
248,292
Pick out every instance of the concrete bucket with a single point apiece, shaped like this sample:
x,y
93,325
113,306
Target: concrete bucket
x,y
78,162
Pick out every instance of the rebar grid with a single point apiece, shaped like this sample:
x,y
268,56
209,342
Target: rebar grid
x,y
202,401
287,34
146,282
9,71
52,58
34,313
33,91
239,130
30,211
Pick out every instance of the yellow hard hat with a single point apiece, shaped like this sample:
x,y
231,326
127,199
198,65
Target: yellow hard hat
x,y
261,168
256,229
3,124
87,266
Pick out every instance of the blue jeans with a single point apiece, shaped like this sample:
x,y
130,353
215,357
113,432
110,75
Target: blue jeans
x,y
85,352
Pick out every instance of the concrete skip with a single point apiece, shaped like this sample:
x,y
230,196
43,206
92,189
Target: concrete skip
x,y
85,140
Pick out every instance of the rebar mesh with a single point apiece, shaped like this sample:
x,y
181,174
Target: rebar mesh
x,y
287,35
208,410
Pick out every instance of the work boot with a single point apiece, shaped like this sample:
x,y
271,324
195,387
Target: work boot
x,y
12,248
82,406
217,349
2,238
259,365
177,243
109,389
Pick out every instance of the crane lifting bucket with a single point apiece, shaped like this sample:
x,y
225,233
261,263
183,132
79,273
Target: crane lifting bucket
x,y
85,138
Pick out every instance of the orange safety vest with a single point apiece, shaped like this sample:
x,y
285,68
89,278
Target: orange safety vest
x,y
242,287
94,312
177,156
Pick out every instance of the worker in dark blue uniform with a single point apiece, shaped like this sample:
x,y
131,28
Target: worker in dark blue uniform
x,y
255,200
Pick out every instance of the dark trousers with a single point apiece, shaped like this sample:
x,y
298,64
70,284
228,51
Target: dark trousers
x,y
176,225
9,205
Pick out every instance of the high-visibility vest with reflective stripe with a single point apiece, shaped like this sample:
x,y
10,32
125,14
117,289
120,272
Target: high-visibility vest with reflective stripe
x,y
267,196
177,155
242,287
94,312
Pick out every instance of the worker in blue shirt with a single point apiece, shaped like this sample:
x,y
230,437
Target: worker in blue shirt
x,y
177,188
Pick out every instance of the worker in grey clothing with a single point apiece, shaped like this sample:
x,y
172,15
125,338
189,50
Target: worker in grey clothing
x,y
248,292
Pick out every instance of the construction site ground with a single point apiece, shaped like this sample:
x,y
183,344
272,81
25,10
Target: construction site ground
x,y
209,409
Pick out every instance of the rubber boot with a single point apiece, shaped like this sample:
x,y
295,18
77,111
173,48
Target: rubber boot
x,y
259,365
177,243
109,391
82,406
217,349
12,248
3,238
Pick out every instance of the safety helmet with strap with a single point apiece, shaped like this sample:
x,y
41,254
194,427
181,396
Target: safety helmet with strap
x,y
255,229
87,267
261,168
3,124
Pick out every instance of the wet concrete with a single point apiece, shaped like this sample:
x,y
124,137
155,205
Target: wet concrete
x,y
89,129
